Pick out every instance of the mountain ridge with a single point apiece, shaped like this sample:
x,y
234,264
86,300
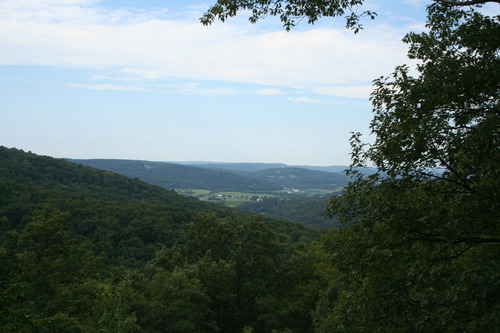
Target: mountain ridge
x,y
125,218
176,176
220,176
258,166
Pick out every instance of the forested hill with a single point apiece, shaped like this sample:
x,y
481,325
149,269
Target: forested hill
x,y
238,168
248,168
47,173
171,175
302,178
86,250
239,177
127,219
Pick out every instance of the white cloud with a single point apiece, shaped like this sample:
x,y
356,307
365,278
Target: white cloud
x,y
270,91
363,91
105,87
203,91
303,99
151,46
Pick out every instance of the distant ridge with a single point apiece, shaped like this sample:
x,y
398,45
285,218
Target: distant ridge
x,y
243,167
177,176
302,178
229,177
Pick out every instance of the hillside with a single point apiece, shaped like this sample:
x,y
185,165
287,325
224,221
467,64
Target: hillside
x,y
240,177
86,250
308,211
269,182
176,176
302,178
127,219
238,168
247,168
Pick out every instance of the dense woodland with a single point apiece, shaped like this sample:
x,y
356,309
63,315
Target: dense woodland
x,y
270,183
417,250
75,240
309,211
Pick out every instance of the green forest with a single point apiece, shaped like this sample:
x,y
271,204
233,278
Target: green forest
x,y
290,193
309,211
415,246
176,176
81,248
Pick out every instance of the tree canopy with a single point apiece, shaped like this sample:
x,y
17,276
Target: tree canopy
x,y
291,12
419,247
84,250
420,250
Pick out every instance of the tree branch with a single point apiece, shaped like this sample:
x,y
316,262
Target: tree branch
x,y
466,3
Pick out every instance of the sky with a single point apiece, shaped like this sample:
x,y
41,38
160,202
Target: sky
x,y
146,80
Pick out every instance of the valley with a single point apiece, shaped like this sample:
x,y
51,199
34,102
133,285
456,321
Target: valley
x,y
297,194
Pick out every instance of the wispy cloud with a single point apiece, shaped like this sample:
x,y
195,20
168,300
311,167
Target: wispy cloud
x,y
161,45
304,99
105,87
270,91
362,91
204,91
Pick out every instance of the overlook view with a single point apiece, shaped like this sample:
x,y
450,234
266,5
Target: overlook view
x,y
249,166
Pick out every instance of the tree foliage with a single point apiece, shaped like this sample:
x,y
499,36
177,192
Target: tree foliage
x,y
291,12
308,211
420,251
74,243
251,277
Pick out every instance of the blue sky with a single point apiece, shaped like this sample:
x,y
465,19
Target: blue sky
x,y
145,80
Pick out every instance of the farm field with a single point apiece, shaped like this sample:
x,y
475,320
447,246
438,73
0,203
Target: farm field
x,y
235,199
230,199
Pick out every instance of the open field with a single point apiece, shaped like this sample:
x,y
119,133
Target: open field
x,y
231,199
234,199
320,192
